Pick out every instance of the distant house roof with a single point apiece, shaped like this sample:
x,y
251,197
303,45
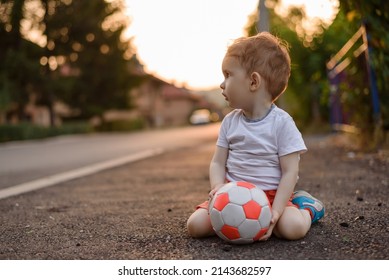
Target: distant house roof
x,y
170,91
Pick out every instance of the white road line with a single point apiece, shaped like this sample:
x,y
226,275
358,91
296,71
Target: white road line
x,y
76,173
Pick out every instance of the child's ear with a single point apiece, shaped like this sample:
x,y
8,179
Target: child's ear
x,y
256,81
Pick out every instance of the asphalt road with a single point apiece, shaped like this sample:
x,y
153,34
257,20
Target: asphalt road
x,y
139,211
21,162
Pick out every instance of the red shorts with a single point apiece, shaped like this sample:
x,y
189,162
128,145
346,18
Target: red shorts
x,y
270,195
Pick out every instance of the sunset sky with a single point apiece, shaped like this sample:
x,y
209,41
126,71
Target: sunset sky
x,y
184,41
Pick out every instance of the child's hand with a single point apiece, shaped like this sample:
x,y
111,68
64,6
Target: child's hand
x,y
214,190
273,222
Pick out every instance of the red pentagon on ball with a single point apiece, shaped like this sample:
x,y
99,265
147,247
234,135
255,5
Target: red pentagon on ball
x,y
245,185
252,210
222,201
230,232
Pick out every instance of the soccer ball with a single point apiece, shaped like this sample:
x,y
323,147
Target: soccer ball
x,y
240,213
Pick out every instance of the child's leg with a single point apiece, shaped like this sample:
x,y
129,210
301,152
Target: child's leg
x,y
296,220
304,200
199,224
293,224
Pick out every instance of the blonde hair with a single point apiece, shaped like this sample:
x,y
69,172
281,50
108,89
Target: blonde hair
x,y
268,56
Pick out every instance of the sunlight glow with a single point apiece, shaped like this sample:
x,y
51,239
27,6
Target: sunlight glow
x,y
322,9
318,12
184,41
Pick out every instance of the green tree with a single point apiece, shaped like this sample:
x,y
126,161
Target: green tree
x,y
81,57
19,57
91,66
374,15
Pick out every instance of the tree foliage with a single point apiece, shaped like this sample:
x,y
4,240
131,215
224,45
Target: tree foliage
x,y
80,58
374,14
308,93
20,58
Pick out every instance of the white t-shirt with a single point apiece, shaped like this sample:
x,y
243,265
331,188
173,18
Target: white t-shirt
x,y
255,146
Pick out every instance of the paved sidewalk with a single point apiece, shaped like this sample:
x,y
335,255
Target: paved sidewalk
x,y
139,211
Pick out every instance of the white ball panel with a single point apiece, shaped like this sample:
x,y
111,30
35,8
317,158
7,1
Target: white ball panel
x,y
226,187
259,196
265,217
216,219
239,195
249,228
233,215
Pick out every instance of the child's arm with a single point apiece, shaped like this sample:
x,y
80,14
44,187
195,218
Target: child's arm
x,y
217,169
289,168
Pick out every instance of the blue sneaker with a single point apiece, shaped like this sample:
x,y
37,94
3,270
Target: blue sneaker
x,y
306,201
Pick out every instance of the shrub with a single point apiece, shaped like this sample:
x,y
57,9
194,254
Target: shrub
x,y
26,131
